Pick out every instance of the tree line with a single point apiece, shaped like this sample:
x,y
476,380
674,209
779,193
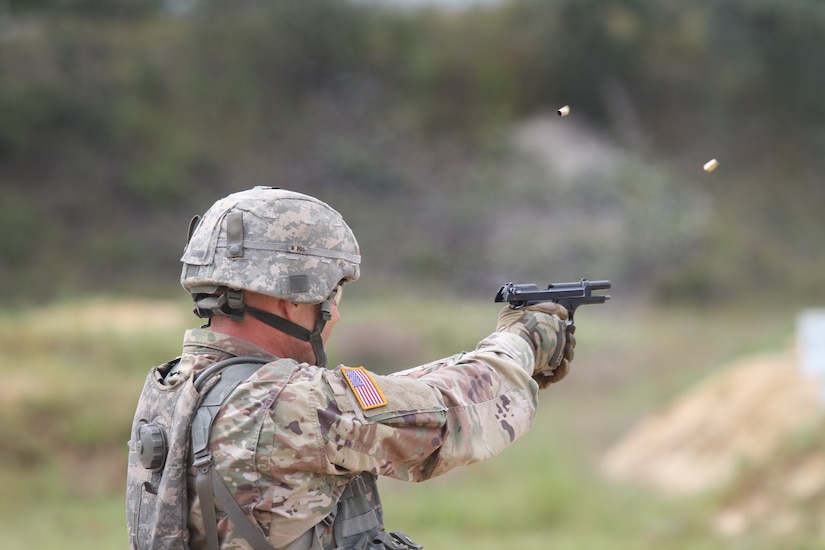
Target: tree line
x,y
121,119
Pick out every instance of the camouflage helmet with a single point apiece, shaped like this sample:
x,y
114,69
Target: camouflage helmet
x,y
270,241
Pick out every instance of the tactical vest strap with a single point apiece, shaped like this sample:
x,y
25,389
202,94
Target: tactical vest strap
x,y
203,485
359,510
245,527
232,372
359,520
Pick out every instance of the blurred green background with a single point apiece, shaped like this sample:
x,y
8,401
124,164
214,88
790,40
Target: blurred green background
x,y
433,128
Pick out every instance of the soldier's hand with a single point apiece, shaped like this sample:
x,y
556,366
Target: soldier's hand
x,y
552,375
545,327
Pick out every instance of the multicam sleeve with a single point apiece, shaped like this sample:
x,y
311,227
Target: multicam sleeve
x,y
435,417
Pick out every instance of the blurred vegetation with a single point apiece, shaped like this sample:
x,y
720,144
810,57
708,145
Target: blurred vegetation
x,y
120,119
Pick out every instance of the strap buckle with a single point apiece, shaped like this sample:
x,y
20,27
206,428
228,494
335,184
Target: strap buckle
x,y
201,460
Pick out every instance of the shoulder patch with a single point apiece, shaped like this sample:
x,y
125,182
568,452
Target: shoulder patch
x,y
363,385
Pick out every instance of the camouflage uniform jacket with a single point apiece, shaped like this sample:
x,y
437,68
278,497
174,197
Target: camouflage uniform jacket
x,y
288,459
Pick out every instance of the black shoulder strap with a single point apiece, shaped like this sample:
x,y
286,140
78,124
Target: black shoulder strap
x,y
232,372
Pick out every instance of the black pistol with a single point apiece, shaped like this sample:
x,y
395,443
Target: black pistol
x,y
570,295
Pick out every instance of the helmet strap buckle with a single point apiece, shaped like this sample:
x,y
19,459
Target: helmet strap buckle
x,y
234,299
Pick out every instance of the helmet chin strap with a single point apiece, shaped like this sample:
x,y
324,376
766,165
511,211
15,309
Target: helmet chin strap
x,y
297,331
232,304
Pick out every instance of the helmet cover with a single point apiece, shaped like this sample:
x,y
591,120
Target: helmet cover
x,y
274,242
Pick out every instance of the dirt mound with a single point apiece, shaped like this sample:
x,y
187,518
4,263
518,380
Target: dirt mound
x,y
785,497
741,416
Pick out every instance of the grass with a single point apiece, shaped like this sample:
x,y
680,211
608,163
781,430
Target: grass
x,y
72,374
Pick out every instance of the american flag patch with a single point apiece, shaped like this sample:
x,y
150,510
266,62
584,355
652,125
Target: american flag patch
x,y
366,390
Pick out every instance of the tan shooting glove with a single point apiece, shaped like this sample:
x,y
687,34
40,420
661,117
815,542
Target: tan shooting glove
x,y
545,327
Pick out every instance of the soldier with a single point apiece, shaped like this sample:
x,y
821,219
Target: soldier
x,y
298,445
